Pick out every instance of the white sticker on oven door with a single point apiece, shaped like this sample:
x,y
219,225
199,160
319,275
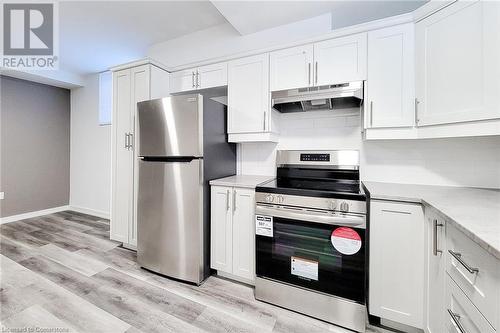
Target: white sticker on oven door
x,y
346,240
264,225
305,268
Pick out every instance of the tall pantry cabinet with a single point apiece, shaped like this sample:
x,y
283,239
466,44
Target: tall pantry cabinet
x,y
139,82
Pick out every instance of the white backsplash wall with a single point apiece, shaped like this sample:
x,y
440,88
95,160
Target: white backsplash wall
x,y
454,161
304,130
471,161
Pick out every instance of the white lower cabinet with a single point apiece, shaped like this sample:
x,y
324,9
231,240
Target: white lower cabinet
x,y
434,271
396,270
461,314
232,232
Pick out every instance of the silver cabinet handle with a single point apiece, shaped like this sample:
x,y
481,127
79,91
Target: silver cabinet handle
x,y
192,79
198,81
126,141
435,249
130,141
458,257
234,201
309,74
316,72
371,113
265,115
416,111
227,200
456,319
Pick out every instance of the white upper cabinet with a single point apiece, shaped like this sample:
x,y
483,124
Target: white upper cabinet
x,y
340,60
183,81
248,97
332,61
212,76
291,68
199,78
391,89
458,63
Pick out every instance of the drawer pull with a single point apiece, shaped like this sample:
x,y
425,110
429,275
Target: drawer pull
x,y
458,257
435,249
456,319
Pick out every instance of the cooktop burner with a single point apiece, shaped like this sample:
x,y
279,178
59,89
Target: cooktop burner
x,y
328,174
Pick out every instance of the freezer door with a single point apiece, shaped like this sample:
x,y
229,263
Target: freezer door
x,y
171,126
170,218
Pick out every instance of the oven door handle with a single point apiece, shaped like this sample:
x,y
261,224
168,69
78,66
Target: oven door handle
x,y
349,220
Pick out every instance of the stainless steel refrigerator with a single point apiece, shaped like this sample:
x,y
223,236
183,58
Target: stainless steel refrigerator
x,y
182,146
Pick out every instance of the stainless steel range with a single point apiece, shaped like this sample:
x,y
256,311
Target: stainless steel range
x,y
311,239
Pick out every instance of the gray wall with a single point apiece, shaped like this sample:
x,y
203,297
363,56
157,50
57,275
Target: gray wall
x,y
35,143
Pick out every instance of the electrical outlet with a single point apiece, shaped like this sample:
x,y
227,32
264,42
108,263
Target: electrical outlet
x,y
2,195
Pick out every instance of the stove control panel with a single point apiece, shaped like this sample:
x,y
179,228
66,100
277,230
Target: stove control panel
x,y
334,204
344,207
315,157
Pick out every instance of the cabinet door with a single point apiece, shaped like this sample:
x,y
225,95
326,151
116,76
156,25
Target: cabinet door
x,y
391,93
123,157
183,80
396,286
248,95
340,60
221,229
211,76
140,84
291,68
458,63
244,233
435,273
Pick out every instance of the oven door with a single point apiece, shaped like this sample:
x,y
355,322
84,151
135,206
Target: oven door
x,y
316,249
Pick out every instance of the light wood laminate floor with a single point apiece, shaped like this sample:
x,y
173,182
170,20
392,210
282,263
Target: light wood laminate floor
x,y
62,272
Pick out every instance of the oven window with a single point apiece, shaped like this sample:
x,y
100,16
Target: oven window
x,y
302,254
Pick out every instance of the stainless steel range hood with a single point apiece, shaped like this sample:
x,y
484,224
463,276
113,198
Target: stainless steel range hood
x,y
330,97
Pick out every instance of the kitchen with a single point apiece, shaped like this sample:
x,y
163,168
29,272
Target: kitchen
x,y
298,177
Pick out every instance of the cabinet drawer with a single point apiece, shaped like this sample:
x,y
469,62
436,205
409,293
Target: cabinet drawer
x,y
475,271
461,315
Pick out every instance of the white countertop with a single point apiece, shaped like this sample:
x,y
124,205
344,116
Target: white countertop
x,y
475,211
247,181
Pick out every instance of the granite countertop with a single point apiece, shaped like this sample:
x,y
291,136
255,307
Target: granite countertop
x,y
475,211
248,181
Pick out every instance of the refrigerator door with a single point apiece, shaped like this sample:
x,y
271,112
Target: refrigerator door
x,y
170,218
171,126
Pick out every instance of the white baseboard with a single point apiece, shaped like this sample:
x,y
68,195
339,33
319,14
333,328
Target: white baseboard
x,y
89,211
23,216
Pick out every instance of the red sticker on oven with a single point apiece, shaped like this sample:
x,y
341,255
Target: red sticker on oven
x,y
346,240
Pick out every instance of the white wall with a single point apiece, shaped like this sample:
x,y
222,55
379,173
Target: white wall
x,y
90,170
454,161
309,130
223,40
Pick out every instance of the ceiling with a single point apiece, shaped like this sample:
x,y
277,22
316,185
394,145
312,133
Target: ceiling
x,y
96,35
251,16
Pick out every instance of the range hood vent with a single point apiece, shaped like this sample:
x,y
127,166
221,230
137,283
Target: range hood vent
x,y
330,97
